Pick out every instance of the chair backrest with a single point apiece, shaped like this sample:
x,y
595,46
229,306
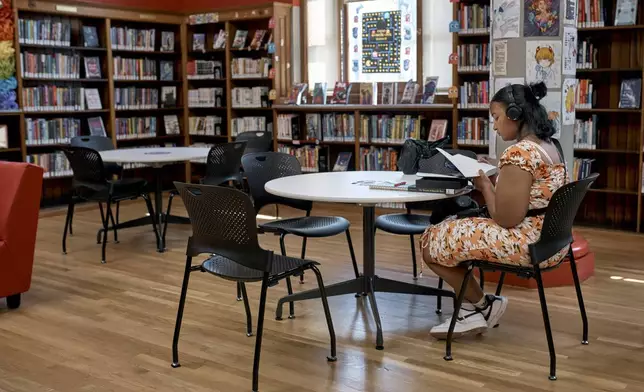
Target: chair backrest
x,y
87,166
224,163
256,141
439,164
223,223
98,143
556,232
263,167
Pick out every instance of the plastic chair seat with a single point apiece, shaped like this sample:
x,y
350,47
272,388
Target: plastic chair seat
x,y
230,270
403,224
122,189
308,226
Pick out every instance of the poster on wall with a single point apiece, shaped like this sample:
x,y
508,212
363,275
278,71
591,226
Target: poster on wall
x,y
543,62
382,41
541,18
569,50
552,103
506,19
500,57
570,13
569,92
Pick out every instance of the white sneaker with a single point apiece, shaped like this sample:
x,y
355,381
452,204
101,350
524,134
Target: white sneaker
x,y
469,322
495,310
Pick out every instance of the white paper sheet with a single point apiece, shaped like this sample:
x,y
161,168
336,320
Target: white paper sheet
x,y
468,167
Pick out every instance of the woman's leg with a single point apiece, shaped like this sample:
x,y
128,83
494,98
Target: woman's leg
x,y
454,277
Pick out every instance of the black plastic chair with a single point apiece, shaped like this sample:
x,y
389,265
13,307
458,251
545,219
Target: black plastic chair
x,y
415,224
91,184
98,143
256,141
224,226
261,168
556,234
223,164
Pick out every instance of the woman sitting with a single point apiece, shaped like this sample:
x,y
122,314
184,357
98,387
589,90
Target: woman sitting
x,y
530,171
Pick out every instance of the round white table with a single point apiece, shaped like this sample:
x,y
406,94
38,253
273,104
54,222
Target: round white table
x,y
156,158
353,187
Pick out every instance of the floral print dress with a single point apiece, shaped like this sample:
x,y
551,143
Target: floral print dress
x,y
456,240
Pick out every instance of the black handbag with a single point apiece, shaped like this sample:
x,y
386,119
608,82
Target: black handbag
x,y
414,150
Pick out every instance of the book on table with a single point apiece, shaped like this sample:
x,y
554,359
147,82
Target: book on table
x,y
419,187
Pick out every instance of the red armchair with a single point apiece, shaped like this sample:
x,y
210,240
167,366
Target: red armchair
x,y
19,206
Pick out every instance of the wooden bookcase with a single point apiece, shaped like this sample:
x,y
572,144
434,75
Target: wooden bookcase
x,y
56,188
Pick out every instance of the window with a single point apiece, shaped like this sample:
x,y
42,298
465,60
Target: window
x,y
324,40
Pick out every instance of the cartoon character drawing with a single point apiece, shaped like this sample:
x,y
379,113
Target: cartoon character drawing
x,y
555,118
543,17
545,57
503,21
570,100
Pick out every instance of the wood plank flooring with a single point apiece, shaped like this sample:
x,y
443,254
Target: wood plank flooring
x,y
86,327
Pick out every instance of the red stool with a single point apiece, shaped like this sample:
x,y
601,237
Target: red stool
x,y
559,276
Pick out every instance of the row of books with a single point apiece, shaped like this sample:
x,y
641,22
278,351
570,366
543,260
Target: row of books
x,y
249,97
50,65
136,127
55,164
474,18
241,37
132,98
473,130
383,128
40,131
249,124
244,67
45,31
135,69
586,54
308,156
125,38
474,94
205,125
204,69
206,97
218,42
586,133
57,98
474,57
581,168
377,159
335,127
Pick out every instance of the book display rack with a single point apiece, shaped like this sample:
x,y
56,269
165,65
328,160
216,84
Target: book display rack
x,y
137,77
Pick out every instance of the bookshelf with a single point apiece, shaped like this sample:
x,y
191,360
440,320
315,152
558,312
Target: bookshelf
x,y
142,80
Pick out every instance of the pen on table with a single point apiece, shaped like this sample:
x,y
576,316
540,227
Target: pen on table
x,y
399,184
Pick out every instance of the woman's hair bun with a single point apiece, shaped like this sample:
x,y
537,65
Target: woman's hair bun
x,y
539,90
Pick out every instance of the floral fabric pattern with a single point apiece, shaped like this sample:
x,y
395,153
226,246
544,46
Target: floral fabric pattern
x,y
456,240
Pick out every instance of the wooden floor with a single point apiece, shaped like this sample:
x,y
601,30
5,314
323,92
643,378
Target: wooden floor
x,y
87,327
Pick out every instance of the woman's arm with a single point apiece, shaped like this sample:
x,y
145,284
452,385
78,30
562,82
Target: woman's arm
x,y
508,202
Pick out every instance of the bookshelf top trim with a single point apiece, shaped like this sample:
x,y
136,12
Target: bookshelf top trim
x,y
417,108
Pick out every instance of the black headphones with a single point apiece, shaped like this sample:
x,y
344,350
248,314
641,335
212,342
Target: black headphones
x,y
514,111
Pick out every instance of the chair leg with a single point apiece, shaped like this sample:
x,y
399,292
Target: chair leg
x,y
260,330
482,279
356,271
68,222
580,298
239,293
106,224
546,323
148,204
289,286
182,304
118,213
165,224
457,309
499,286
249,319
116,237
439,299
71,219
100,208
327,313
413,256
302,257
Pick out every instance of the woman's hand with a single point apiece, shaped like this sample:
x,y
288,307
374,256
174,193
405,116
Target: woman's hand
x,y
482,182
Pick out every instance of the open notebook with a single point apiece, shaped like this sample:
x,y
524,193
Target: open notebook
x,y
468,167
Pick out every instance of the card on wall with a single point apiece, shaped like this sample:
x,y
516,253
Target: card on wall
x,y
500,57
506,19
552,103
569,92
569,51
543,62
570,14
